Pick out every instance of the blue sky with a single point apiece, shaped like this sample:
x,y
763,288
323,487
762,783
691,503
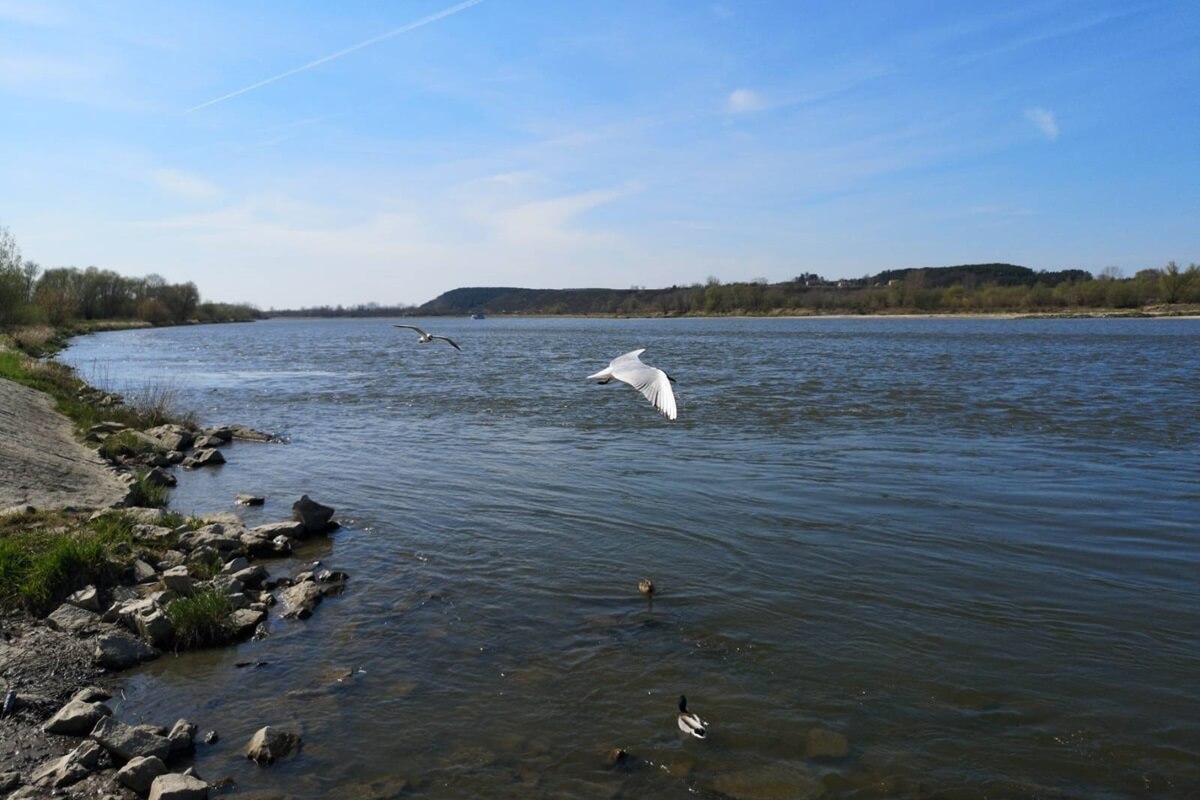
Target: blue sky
x,y
307,152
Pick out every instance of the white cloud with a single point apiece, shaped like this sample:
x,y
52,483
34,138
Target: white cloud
x,y
184,184
742,101
1044,121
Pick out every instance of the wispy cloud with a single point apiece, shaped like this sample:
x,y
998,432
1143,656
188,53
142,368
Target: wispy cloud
x,y
1044,121
184,184
412,26
744,101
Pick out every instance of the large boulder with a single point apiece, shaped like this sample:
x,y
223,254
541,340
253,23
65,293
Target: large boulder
x,y
76,718
155,627
315,516
173,786
268,745
176,579
86,598
139,773
292,529
244,621
126,741
119,650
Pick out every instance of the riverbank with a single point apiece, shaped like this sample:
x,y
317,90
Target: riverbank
x,y
90,586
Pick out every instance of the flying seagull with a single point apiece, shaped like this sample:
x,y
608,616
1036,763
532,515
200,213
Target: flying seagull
x,y
426,338
650,381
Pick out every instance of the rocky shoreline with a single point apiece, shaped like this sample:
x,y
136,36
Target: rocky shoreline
x,y
58,737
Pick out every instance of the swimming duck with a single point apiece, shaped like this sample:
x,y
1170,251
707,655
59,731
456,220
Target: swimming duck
x,y
646,586
690,723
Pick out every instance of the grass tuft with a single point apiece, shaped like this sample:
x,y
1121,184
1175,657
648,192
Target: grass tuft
x,y
200,620
146,494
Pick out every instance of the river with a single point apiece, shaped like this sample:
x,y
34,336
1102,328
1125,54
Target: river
x,y
969,546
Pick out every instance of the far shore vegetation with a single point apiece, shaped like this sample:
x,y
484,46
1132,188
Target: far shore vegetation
x,y
966,289
65,301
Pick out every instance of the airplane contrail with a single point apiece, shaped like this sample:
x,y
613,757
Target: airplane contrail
x,y
422,22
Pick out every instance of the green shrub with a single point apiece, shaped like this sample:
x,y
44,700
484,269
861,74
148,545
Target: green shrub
x,y
200,620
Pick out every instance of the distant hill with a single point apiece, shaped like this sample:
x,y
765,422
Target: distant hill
x,y
805,291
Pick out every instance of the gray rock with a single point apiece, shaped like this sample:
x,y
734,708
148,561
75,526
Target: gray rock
x,y
160,477
155,628
212,737
127,741
143,572
249,500
268,745
71,768
244,621
139,773
176,579
251,577
249,434
207,457
209,442
172,437
314,515
235,565
74,620
119,650
171,558
92,694
178,787
182,736
293,529
76,718
300,600
86,598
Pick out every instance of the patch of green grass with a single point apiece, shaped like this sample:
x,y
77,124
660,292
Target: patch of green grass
x,y
146,494
200,620
205,567
173,519
126,443
39,568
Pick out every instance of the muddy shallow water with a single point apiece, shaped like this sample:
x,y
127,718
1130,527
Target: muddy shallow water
x,y
969,546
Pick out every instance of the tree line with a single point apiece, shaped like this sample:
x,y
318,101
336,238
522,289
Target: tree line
x,y
30,295
959,289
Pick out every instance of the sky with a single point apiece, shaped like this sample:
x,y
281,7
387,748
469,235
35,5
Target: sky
x,y
309,153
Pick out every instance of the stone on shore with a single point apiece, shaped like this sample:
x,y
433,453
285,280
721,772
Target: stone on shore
x,y
249,434
268,745
300,600
173,786
204,458
76,718
244,621
182,736
119,650
249,499
160,477
176,579
74,620
172,437
92,694
86,598
315,516
139,773
292,529
155,627
71,768
127,742
143,572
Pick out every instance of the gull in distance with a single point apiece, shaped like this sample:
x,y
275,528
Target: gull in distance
x,y
650,381
426,338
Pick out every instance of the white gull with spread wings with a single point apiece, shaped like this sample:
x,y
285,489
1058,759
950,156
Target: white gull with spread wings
x,y
650,381
426,338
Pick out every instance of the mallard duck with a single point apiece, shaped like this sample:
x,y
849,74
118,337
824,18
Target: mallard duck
x,y
690,723
646,586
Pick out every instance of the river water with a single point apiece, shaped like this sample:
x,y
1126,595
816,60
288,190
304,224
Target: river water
x,y
969,546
